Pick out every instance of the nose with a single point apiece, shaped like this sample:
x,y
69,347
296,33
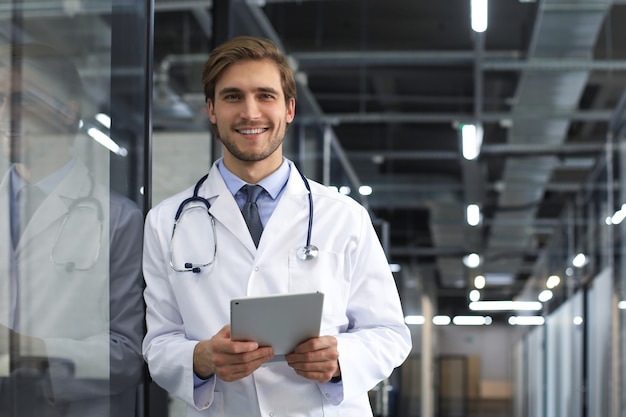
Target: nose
x,y
250,109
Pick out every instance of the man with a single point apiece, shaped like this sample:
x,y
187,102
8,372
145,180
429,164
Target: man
x,y
250,92
71,315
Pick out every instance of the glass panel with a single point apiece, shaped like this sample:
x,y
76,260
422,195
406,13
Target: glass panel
x,y
564,340
71,311
599,344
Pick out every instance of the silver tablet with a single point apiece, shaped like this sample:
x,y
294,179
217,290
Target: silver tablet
x,y
281,321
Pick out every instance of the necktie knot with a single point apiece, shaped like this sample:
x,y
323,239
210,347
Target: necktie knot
x,y
250,212
252,192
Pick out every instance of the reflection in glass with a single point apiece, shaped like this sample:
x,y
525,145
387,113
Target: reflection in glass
x,y
71,316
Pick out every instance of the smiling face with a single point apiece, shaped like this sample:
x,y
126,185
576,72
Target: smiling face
x,y
251,116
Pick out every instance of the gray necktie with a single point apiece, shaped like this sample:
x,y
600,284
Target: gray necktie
x,y
29,198
250,212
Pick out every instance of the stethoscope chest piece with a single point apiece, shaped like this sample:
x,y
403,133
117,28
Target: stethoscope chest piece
x,y
306,253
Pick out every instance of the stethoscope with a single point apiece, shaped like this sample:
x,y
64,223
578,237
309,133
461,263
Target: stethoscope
x,y
304,253
89,202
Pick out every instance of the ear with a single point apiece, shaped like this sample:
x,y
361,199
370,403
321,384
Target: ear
x,y
211,111
291,110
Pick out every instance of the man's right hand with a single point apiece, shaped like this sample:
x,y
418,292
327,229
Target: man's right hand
x,y
227,359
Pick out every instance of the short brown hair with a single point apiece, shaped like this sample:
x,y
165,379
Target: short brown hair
x,y
243,48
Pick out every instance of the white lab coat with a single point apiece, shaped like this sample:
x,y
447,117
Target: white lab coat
x,y
90,321
361,307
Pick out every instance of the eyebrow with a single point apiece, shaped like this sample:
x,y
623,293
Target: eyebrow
x,y
230,90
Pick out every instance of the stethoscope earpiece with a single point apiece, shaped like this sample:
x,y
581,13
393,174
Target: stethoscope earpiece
x,y
306,253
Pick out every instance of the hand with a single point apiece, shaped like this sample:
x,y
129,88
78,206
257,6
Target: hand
x,y
227,359
316,359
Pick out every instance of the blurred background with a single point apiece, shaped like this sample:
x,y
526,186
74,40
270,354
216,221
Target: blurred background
x,y
487,147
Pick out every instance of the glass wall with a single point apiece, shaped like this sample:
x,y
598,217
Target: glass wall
x,y
73,125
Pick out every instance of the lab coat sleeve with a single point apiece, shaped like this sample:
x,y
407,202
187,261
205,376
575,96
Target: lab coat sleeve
x,y
166,349
377,339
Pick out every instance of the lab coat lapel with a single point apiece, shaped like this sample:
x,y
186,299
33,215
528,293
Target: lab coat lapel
x,y
290,218
225,210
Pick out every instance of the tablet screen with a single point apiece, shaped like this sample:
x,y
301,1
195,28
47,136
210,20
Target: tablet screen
x,y
281,321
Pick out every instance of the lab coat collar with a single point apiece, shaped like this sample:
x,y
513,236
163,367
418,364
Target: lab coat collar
x,y
291,209
224,208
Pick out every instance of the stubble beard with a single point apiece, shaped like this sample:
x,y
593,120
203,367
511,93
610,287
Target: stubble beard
x,y
252,155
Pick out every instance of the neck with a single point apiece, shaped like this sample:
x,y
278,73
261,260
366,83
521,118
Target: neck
x,y
34,171
253,172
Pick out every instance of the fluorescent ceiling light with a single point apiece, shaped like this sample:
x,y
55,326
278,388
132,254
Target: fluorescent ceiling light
x,y
473,214
365,190
441,320
621,305
474,295
414,319
471,320
553,281
505,306
578,320
479,13
618,216
545,295
104,119
107,142
472,260
526,320
395,267
479,282
579,260
345,190
472,139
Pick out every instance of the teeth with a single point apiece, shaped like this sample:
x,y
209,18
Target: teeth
x,y
251,131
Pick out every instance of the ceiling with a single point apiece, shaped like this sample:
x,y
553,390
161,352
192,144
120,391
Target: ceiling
x,y
389,83
392,81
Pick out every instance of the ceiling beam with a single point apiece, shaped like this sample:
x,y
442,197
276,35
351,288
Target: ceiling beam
x,y
486,117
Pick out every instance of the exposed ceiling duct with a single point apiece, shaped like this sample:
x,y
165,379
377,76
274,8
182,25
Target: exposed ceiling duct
x,y
386,85
562,30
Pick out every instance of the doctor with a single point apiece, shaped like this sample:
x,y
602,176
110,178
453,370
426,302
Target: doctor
x,y
250,92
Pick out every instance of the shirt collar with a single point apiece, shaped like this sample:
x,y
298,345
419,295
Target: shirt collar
x,y
273,183
46,184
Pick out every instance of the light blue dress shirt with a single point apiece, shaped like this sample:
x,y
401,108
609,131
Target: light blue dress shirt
x,y
274,185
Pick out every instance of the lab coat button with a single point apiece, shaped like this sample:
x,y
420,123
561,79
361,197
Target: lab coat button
x,y
256,269
271,414
327,395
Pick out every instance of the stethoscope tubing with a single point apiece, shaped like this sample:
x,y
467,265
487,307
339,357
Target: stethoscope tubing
x,y
306,253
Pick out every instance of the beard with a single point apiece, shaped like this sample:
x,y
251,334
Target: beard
x,y
251,155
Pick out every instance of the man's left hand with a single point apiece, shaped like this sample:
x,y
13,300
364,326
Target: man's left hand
x,y
316,359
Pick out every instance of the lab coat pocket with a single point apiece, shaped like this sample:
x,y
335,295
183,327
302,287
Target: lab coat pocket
x,y
326,274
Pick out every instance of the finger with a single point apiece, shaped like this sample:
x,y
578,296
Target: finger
x,y
239,366
316,343
321,355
